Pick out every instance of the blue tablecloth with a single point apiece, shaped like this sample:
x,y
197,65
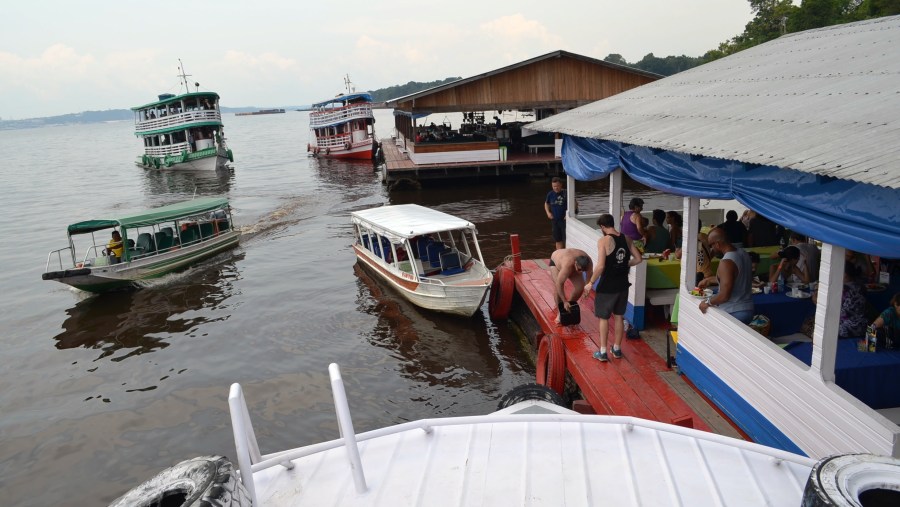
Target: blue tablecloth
x,y
872,377
880,300
785,313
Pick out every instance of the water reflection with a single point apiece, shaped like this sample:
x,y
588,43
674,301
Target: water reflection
x,y
188,182
345,174
419,338
144,320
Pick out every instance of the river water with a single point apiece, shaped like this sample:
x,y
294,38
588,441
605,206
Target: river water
x,y
98,393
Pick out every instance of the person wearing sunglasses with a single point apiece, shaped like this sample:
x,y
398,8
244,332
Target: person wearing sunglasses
x,y
735,278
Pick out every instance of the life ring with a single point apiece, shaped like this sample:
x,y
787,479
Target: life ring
x,y
551,363
526,392
346,146
853,479
156,163
205,480
502,289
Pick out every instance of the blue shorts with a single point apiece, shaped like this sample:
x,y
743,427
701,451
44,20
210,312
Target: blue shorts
x,y
559,230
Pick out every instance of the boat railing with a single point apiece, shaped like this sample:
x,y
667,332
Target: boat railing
x,y
58,255
327,117
168,149
177,119
338,141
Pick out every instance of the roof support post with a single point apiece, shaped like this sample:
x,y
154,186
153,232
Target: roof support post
x,y
615,196
689,235
828,312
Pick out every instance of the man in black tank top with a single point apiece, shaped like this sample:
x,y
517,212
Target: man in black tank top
x,y
615,256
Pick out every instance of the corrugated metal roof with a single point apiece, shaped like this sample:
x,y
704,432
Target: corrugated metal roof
x,y
824,101
555,54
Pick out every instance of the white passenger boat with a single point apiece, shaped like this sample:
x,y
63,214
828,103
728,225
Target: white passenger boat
x,y
343,126
182,131
530,453
430,257
153,243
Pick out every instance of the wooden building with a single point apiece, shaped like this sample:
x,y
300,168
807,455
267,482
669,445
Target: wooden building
x,y
544,85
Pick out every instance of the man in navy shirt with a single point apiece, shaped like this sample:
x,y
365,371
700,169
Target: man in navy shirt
x,y
556,205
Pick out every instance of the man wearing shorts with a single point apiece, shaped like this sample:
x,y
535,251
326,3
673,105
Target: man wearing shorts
x,y
555,205
615,255
569,264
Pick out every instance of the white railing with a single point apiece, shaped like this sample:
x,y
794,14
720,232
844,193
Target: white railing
x,y
173,120
169,149
346,113
58,254
338,141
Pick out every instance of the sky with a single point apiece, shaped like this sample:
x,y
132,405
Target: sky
x,y
59,57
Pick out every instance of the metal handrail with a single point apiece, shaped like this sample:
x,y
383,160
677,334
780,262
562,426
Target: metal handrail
x,y
59,256
329,116
169,149
173,120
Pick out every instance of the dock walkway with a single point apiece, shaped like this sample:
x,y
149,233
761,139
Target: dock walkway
x,y
398,166
640,384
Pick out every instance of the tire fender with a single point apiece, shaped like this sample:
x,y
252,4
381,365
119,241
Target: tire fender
x,y
156,163
205,480
526,392
853,479
551,363
501,296
327,151
346,146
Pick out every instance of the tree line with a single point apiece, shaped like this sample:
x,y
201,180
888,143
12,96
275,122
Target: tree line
x,y
771,19
393,92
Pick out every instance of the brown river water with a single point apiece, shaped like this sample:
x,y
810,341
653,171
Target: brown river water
x,y
98,393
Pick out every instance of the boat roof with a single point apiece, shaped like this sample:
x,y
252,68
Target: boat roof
x,y
175,98
340,99
409,220
526,455
152,216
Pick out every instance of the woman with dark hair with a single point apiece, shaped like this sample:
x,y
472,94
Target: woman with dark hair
x,y
675,223
657,236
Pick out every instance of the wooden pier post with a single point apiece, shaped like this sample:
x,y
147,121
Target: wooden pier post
x,y
516,253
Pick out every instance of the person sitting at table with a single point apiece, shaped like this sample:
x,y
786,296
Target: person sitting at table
x,y
853,321
734,277
792,267
889,320
675,223
734,229
657,235
754,264
704,258
809,253
861,261
631,220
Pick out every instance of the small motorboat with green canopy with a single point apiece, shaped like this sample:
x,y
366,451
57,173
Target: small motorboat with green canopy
x,y
150,244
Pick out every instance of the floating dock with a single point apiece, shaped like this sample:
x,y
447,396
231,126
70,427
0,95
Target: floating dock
x,y
640,384
398,167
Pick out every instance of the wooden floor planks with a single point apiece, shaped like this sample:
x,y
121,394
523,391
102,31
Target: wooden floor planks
x,y
628,386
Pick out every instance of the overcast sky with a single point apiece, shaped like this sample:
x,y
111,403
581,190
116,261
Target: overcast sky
x,y
60,57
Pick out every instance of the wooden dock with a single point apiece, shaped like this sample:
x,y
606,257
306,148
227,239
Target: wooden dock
x,y
398,166
640,384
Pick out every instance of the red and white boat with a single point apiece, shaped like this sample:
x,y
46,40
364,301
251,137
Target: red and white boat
x,y
343,126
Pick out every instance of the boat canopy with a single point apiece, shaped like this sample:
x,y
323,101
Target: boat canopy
x,y
176,98
858,216
340,99
408,220
153,216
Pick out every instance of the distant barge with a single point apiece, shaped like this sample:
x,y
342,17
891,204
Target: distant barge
x,y
261,111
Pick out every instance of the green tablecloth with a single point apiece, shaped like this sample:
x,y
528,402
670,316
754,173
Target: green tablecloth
x,y
664,274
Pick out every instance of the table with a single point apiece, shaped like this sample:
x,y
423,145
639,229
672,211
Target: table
x,y
785,313
872,377
664,274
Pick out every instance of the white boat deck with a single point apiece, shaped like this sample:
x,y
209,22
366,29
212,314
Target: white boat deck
x,y
532,453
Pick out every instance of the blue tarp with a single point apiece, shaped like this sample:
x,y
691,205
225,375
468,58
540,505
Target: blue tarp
x,y
858,216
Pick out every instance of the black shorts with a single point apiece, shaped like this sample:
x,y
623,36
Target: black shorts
x,y
559,230
606,305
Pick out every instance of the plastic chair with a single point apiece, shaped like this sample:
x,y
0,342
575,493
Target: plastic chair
x,y
450,263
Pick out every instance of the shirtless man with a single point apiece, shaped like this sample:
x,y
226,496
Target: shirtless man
x,y
569,264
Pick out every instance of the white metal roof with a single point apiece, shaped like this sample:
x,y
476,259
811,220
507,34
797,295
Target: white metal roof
x,y
824,101
408,220
529,458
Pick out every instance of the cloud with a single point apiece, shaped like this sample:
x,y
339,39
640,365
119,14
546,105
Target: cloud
x,y
516,29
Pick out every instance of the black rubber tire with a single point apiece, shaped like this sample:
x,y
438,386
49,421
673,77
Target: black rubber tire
x,y
527,392
205,481
853,479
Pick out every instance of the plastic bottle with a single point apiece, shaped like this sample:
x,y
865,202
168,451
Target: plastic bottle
x,y
781,284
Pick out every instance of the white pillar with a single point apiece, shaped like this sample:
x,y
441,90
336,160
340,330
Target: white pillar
x,y
828,312
689,231
570,197
615,196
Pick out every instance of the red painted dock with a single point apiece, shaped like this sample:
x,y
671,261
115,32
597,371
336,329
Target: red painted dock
x,y
631,386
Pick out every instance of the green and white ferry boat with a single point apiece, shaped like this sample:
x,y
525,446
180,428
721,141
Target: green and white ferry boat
x,y
182,131
153,243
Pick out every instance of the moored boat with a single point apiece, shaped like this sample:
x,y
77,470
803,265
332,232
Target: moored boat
x,y
182,131
431,258
151,244
529,452
343,126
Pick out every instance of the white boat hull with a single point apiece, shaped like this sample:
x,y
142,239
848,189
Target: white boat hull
x,y
215,162
461,294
